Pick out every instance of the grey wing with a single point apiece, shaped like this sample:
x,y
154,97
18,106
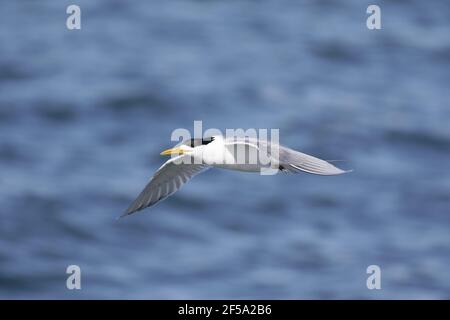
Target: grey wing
x,y
295,161
166,181
289,160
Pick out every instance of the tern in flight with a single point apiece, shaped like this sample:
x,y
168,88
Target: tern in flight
x,y
194,156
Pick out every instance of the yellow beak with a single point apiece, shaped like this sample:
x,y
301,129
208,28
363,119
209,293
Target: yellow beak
x,y
172,151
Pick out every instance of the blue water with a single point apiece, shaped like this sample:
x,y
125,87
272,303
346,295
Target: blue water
x,y
85,113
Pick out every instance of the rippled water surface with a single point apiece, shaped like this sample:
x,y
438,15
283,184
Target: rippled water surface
x,y
85,113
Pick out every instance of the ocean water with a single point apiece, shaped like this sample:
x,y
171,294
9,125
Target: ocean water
x,y
85,113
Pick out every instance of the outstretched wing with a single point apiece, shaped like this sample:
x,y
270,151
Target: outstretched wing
x,y
289,160
295,161
166,181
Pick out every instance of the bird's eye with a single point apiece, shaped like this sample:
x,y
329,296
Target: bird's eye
x,y
207,140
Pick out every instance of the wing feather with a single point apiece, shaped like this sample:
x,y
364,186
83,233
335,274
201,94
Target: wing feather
x,y
288,159
168,179
295,161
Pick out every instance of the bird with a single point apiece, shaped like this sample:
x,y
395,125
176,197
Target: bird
x,y
194,156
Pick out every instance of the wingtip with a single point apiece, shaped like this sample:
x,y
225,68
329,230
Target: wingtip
x,y
344,171
131,210
123,215
126,214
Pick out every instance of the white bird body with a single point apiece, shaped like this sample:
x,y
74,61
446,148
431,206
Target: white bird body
x,y
240,154
220,154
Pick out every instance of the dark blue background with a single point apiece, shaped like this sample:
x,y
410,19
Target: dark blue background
x,y
85,113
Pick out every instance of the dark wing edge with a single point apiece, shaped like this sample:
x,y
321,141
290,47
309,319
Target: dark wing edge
x,y
166,181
